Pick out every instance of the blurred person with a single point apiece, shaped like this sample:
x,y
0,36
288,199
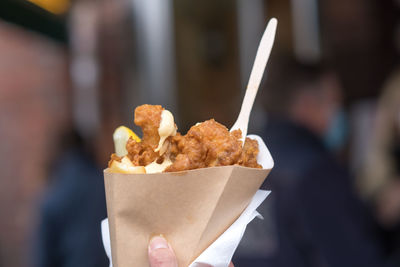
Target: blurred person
x,y
74,203
379,181
314,215
73,206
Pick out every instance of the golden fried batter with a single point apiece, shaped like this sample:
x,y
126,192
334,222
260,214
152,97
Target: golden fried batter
x,y
249,154
148,117
140,153
210,144
206,144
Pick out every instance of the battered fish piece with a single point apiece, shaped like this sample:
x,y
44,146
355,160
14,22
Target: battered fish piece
x,y
207,144
249,154
140,153
210,144
148,117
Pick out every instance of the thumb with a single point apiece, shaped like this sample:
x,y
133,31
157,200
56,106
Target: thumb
x,y
161,253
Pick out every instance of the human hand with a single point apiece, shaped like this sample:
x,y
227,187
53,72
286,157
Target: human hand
x,y
162,255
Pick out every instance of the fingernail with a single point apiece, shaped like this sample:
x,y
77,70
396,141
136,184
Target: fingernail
x,y
158,242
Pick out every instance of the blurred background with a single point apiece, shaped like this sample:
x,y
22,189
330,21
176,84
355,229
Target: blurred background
x,y
71,71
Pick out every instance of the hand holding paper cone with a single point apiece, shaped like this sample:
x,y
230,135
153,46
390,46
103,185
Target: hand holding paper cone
x,y
161,253
191,208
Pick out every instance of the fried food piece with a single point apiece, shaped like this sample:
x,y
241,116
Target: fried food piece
x,y
249,154
186,153
148,117
140,153
210,144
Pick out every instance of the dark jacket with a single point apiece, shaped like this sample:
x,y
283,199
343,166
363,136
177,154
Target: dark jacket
x,y
314,216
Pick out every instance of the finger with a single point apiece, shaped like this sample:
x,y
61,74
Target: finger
x,y
231,265
161,253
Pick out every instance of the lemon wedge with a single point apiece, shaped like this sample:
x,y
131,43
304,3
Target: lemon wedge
x,y
121,136
126,166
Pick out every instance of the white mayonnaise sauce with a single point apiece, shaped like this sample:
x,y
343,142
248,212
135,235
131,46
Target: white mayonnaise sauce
x,y
154,167
166,129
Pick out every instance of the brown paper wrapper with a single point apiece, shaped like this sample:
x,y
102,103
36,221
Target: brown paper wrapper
x,y
190,208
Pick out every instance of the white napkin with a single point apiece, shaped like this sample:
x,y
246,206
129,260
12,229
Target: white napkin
x,y
105,235
219,253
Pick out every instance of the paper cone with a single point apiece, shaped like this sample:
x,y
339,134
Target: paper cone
x,y
191,209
